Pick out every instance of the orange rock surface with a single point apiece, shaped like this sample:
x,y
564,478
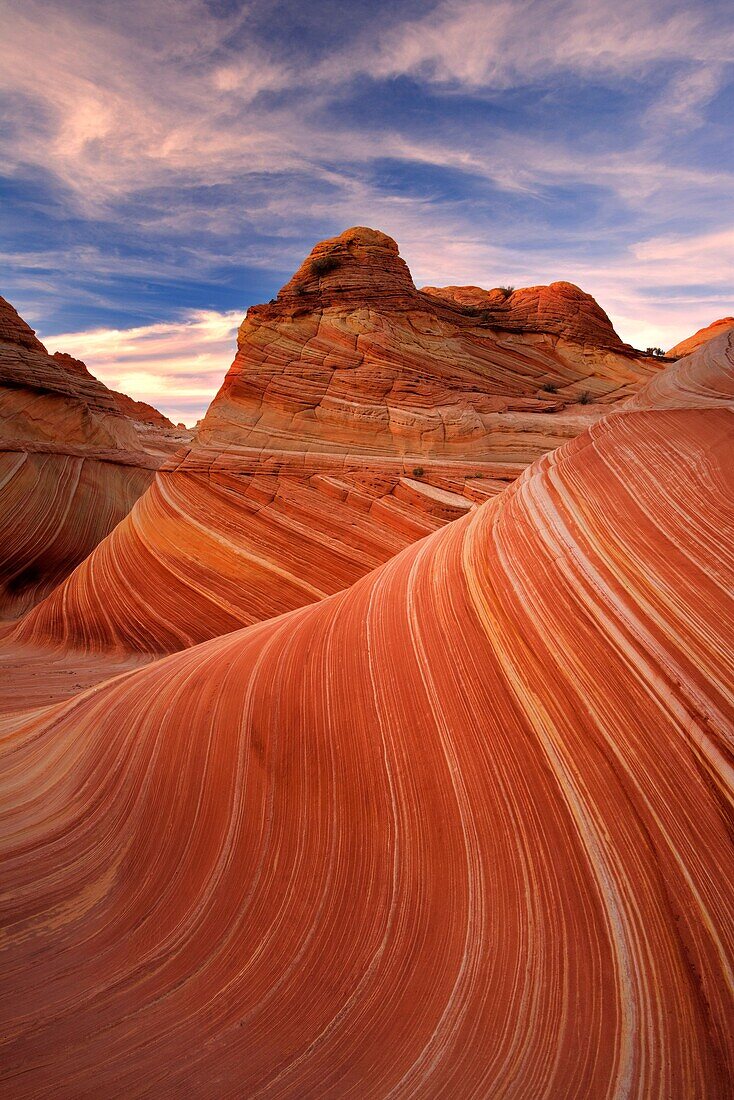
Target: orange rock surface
x,y
74,457
463,830
716,328
359,415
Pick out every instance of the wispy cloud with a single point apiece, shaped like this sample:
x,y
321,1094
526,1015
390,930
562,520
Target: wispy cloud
x,y
500,45
135,103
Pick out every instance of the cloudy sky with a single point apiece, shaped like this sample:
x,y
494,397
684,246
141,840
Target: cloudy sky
x,y
166,163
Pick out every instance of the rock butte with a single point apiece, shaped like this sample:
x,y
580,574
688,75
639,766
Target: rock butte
x,y
561,309
359,415
462,830
716,328
74,457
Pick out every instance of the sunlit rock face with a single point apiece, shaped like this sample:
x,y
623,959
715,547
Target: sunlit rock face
x,y
716,328
74,458
358,416
463,830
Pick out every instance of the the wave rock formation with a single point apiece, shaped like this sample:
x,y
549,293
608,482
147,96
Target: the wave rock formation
x,y
463,830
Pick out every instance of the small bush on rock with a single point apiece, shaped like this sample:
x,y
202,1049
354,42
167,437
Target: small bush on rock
x,y
585,398
418,471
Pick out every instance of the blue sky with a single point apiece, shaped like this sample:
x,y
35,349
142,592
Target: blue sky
x,y
167,163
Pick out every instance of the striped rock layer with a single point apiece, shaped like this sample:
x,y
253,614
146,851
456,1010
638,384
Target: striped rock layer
x,y
358,416
74,458
463,830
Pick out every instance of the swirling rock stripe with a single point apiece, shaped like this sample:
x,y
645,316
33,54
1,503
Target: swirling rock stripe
x,y
463,830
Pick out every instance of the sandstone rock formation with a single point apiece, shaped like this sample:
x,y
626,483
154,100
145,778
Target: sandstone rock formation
x,y
359,415
561,309
74,457
463,830
716,328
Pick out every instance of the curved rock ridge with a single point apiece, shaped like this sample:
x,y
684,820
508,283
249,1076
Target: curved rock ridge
x,y
463,830
358,416
716,328
74,457
701,380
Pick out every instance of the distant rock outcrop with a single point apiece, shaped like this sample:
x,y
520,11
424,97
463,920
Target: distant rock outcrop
x,y
359,415
716,328
561,309
140,412
462,831
74,457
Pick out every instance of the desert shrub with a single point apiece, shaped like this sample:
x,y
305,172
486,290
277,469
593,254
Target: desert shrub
x,y
418,471
655,351
507,290
550,387
322,265
585,398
